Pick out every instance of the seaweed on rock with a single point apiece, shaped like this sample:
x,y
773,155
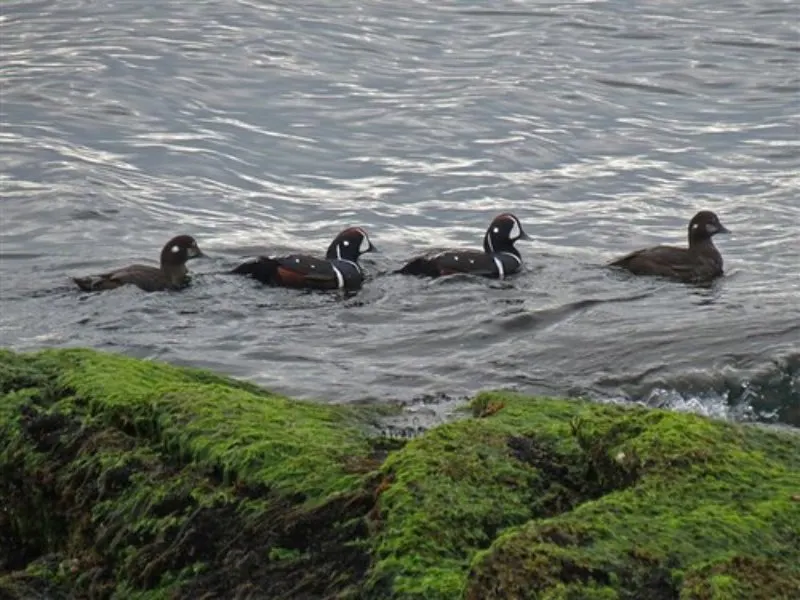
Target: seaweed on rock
x,y
124,478
691,493
140,477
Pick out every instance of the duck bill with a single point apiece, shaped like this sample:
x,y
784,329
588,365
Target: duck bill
x,y
723,229
373,248
524,236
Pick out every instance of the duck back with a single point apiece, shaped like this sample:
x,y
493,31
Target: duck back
x,y
700,263
147,278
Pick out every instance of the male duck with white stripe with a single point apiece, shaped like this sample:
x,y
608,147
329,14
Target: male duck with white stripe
x,y
338,270
498,260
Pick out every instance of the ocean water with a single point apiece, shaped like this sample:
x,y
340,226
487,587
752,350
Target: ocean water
x,y
263,127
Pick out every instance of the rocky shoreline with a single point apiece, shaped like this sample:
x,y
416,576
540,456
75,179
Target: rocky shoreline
x,y
124,478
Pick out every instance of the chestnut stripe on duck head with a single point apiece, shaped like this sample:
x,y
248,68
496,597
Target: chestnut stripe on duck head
x,y
338,270
350,244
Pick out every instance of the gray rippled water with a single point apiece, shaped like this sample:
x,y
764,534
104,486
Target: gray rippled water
x,y
268,126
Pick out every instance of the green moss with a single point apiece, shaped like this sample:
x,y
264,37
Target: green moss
x,y
685,490
145,477
554,499
45,578
247,433
450,493
742,576
122,478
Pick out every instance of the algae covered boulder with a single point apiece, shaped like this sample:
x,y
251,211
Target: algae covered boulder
x,y
124,478
539,498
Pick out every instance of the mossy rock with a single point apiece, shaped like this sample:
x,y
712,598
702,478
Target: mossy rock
x,y
142,477
554,499
124,478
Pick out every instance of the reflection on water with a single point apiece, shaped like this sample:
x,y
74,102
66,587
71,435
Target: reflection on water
x,y
265,127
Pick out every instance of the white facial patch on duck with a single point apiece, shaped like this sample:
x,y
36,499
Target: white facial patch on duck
x,y
364,247
516,230
175,249
339,246
711,228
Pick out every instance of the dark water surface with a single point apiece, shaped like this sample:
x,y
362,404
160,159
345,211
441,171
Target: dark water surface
x,y
266,126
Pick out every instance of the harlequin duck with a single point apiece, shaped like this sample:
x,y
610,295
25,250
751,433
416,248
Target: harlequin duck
x,y
338,270
499,258
701,261
172,274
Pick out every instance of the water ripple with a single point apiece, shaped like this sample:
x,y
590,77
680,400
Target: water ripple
x,y
263,127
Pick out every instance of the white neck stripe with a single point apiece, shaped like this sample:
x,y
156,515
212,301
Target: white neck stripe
x,y
500,271
339,276
514,256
